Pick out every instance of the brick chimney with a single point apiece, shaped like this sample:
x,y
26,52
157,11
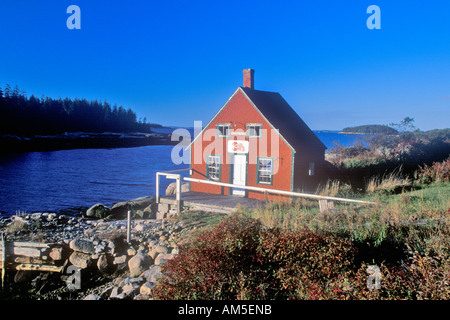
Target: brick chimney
x,y
249,78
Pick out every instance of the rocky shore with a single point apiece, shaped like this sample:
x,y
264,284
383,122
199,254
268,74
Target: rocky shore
x,y
109,266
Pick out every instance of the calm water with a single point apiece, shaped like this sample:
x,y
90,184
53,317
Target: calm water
x,y
56,180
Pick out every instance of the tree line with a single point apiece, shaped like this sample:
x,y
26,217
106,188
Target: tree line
x,y
22,115
370,129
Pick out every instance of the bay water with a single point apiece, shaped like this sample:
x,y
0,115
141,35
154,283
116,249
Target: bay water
x,y
65,179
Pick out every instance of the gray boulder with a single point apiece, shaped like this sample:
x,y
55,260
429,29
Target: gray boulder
x,y
152,274
103,264
81,260
84,246
146,288
163,258
172,188
120,209
138,264
97,211
150,211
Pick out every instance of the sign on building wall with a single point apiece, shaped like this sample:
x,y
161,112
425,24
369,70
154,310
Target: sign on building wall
x,y
237,146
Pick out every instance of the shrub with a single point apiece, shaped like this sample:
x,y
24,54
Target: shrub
x,y
306,265
217,264
240,259
437,172
17,226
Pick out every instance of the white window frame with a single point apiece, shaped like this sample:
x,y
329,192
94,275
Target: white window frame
x,y
219,134
254,125
260,168
213,167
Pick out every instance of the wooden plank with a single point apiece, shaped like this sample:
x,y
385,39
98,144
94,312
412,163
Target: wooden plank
x,y
28,249
23,251
39,267
30,244
32,260
323,205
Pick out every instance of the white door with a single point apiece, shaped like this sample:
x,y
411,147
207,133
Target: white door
x,y
239,173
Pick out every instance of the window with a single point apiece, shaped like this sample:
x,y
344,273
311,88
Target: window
x,y
264,169
213,167
311,168
223,130
254,130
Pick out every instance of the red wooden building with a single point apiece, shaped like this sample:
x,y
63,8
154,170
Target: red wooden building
x,y
256,139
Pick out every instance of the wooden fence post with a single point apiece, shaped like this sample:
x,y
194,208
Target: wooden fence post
x,y
3,260
157,187
178,195
128,225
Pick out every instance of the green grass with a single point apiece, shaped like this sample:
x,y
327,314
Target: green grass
x,y
393,217
200,219
410,217
406,234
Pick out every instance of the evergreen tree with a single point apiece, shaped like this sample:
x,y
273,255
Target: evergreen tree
x,y
45,115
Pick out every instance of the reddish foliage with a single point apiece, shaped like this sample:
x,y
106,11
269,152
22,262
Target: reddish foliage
x,y
240,259
438,171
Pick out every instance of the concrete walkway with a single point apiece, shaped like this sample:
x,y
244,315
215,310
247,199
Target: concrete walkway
x,y
213,202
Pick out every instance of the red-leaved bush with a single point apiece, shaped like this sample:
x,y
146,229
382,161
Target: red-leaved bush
x,y
242,259
438,171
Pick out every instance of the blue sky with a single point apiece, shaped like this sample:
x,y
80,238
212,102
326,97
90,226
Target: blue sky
x,y
175,62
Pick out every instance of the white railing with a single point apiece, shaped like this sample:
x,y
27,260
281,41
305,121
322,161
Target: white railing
x,y
172,175
286,193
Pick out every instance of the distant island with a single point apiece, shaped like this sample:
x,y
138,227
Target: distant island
x,y
370,129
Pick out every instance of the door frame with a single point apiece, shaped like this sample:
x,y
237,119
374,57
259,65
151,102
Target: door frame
x,y
231,173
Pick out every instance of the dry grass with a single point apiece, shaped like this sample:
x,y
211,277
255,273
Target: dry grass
x,y
388,183
397,216
17,225
334,188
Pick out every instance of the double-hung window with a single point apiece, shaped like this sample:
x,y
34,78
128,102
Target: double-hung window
x,y
213,167
264,174
311,168
254,130
223,130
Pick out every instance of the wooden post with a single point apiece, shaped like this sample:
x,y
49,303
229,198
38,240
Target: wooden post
x,y
157,187
128,226
178,196
3,260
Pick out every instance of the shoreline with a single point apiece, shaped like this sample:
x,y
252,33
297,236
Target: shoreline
x,y
112,268
83,140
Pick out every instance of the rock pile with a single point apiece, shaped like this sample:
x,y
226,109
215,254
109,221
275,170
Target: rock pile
x,y
98,248
141,208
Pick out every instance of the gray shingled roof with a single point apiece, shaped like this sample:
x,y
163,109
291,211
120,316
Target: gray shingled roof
x,y
281,115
